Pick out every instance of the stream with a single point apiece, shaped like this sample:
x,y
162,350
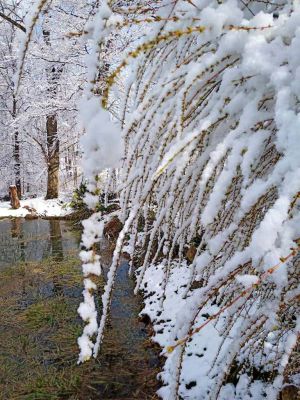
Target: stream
x,y
40,291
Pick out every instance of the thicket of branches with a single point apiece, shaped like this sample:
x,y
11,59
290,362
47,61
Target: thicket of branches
x,y
42,71
210,119
207,98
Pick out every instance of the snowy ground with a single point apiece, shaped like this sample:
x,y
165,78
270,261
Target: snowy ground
x,y
43,208
168,327
197,377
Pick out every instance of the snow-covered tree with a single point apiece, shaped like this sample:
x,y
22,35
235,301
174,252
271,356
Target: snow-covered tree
x,y
44,100
210,162
204,137
11,18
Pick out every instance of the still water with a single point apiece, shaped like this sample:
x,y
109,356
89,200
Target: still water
x,y
40,290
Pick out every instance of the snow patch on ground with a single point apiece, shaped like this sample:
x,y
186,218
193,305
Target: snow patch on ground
x,y
169,325
43,208
196,379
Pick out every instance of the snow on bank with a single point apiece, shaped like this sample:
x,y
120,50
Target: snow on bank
x,y
199,362
41,207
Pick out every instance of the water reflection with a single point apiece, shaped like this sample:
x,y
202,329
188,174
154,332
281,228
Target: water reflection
x,y
39,324
16,228
56,240
16,233
34,240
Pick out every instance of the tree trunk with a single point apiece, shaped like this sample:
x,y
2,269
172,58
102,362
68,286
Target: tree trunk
x,y
14,199
53,157
53,73
17,166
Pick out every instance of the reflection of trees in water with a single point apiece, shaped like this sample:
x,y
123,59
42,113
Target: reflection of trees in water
x,y
15,228
17,232
56,240
57,253
22,240
35,239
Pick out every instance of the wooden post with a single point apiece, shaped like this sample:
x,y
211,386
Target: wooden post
x,y
14,199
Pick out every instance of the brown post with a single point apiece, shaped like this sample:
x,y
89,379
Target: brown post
x,y
14,199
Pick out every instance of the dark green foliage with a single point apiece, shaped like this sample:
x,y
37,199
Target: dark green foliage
x,y
78,200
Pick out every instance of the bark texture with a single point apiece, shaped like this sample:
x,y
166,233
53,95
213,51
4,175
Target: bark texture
x,y
53,74
17,160
53,157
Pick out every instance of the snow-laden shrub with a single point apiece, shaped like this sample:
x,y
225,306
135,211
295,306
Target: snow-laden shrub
x,y
210,117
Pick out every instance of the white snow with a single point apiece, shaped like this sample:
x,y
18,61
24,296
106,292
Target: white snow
x,y
101,142
247,280
44,208
211,162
